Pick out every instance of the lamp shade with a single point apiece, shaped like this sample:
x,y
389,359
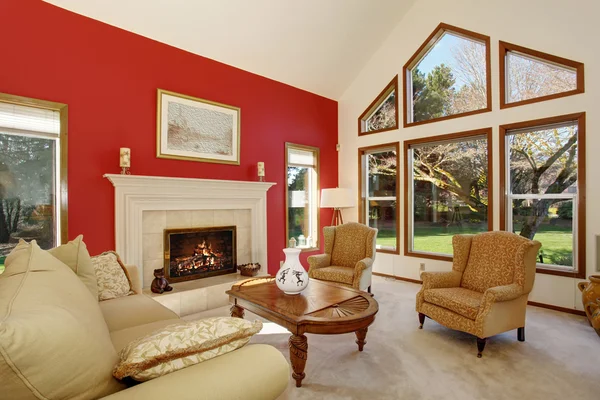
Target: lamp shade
x,y
337,198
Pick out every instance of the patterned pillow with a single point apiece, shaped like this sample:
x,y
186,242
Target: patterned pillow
x,y
111,275
183,344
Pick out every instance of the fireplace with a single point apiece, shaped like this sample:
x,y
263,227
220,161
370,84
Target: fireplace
x,y
195,253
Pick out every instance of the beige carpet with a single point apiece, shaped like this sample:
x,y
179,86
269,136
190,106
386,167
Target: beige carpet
x,y
559,360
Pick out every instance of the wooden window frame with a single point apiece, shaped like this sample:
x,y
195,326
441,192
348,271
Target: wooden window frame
x,y
422,51
361,203
381,97
487,132
581,184
316,151
62,173
505,47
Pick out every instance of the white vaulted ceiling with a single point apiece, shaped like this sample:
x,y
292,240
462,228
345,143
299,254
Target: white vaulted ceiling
x,y
316,45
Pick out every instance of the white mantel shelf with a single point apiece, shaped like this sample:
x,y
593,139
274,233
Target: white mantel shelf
x,y
135,194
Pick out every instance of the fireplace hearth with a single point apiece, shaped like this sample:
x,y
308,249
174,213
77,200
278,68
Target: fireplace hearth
x,y
195,253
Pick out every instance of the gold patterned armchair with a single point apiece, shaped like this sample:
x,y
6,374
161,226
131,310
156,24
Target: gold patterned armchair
x,y
486,292
348,258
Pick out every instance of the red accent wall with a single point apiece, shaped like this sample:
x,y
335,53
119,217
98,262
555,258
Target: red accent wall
x,y
108,77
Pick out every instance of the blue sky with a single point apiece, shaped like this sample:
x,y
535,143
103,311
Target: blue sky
x,y
441,54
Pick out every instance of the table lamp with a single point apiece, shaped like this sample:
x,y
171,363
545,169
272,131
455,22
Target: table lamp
x,y
337,198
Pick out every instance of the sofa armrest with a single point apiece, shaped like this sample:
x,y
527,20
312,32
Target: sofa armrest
x,y
254,372
435,280
319,261
134,278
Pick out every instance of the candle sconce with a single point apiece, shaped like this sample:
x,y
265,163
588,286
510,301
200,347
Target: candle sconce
x,y
125,160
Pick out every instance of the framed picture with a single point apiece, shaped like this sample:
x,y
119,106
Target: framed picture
x,y
189,128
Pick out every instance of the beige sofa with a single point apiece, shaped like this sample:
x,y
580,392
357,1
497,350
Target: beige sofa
x,y
58,342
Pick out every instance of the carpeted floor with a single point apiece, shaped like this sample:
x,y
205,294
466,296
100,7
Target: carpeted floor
x,y
559,360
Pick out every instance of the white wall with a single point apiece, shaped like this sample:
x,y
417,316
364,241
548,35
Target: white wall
x,y
566,29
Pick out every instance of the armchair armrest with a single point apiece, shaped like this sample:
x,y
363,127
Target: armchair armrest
x,y
363,264
359,268
319,261
503,293
436,280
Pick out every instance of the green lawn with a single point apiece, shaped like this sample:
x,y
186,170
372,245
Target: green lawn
x,y
556,241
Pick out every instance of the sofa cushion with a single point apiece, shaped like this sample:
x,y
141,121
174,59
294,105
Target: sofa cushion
x,y
335,274
123,337
462,301
111,274
75,255
139,309
493,259
183,344
54,343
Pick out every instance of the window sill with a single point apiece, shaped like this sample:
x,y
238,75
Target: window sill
x,y
557,272
307,249
431,256
387,250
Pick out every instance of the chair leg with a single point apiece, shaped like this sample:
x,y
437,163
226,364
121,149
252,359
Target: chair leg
x,y
480,346
521,334
421,320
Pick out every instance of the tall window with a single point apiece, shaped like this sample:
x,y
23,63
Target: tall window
x,y
32,172
449,191
543,178
448,76
379,193
302,192
528,76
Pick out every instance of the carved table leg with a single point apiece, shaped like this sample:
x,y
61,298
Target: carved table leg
x,y
361,335
237,311
298,355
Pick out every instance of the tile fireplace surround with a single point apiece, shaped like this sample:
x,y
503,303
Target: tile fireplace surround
x,y
145,205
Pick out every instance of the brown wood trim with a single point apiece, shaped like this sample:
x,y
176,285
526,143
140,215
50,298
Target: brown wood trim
x,y
581,185
362,151
390,87
435,35
504,48
317,152
555,308
452,136
398,278
63,110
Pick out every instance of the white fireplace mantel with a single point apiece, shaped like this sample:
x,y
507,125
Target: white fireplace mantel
x,y
135,194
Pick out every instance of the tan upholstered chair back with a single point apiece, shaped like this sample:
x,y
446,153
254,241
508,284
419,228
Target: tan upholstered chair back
x,y
349,243
496,259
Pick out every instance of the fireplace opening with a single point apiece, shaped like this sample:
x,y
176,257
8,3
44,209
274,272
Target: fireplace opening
x,y
195,253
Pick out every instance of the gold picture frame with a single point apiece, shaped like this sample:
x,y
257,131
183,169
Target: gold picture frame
x,y
194,129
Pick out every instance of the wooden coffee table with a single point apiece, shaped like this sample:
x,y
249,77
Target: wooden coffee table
x,y
324,308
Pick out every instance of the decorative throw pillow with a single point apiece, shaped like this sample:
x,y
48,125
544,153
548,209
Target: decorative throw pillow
x,y
111,275
76,256
183,344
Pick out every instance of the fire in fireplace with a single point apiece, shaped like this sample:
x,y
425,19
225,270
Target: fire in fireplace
x,y
195,253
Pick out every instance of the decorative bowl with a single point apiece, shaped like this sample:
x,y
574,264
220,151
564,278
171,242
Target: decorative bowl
x,y
250,269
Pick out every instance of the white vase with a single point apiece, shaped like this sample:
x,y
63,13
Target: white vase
x,y
292,278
